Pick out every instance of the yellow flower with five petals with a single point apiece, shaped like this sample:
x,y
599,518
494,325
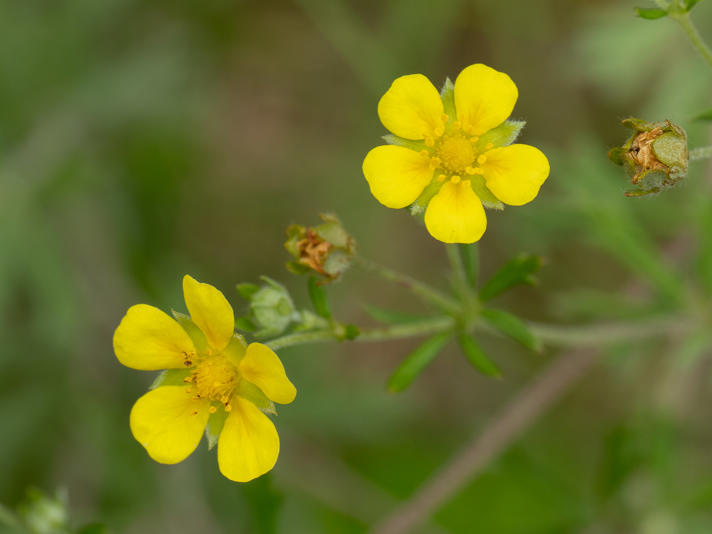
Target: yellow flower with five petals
x,y
452,151
213,379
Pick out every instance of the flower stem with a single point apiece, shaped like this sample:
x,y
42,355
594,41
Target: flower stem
x,y
460,277
683,19
418,288
701,153
423,327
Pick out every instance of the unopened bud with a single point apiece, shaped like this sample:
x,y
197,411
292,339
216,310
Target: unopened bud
x,y
655,156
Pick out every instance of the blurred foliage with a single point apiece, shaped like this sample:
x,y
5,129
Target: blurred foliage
x,y
141,140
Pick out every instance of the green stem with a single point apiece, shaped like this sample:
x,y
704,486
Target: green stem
x,y
701,153
418,288
685,22
460,276
602,333
420,328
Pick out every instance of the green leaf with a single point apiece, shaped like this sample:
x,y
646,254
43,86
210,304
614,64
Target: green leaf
x,y
518,270
689,4
512,326
93,528
477,356
247,290
704,116
317,294
417,361
650,13
471,262
171,377
391,316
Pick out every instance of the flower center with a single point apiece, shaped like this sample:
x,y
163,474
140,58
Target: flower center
x,y
456,153
214,378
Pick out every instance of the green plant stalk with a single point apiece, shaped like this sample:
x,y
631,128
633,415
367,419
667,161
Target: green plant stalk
x,y
701,153
685,22
460,278
418,288
421,328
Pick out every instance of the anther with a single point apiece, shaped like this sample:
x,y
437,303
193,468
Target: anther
x,y
228,407
188,379
456,125
481,159
188,363
474,139
442,178
212,409
470,170
435,162
489,146
424,153
455,179
445,117
439,131
429,141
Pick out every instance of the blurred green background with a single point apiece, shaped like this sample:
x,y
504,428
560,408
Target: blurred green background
x,y
142,140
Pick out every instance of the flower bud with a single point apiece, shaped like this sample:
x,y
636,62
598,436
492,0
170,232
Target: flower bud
x,y
326,249
655,156
271,307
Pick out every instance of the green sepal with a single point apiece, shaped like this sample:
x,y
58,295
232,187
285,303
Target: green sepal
x,y
245,324
617,155
650,13
704,116
196,334
477,357
295,267
471,262
256,396
246,290
512,326
170,377
432,189
393,139
319,301
216,421
486,196
503,135
391,316
416,362
519,270
447,94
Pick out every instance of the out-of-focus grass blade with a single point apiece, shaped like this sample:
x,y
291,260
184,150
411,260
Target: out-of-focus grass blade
x,y
477,357
391,316
512,326
317,294
417,361
471,262
519,270
704,116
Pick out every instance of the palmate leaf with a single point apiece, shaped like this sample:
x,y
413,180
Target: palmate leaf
x,y
417,361
511,326
477,357
518,270
650,13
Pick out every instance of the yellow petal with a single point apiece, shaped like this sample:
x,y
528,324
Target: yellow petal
x,y
210,310
455,214
262,367
169,423
515,173
248,445
149,340
484,98
412,108
396,175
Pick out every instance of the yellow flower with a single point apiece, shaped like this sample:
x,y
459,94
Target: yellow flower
x,y
214,379
451,152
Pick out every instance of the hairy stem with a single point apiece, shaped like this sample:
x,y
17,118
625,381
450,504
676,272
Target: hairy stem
x,y
420,328
418,288
685,22
701,153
